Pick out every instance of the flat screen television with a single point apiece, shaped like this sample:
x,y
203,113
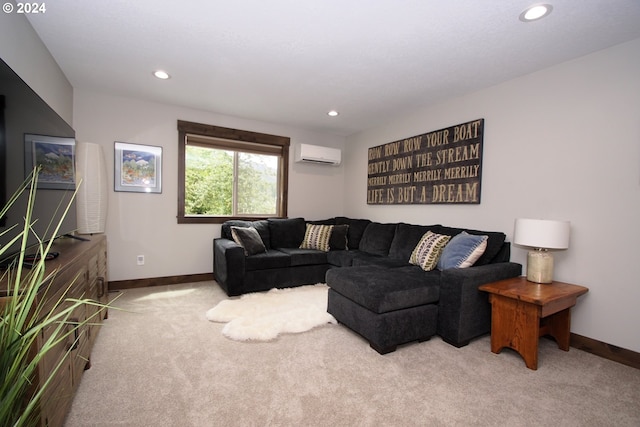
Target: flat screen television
x,y
30,130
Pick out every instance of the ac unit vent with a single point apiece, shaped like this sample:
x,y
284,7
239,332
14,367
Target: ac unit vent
x,y
307,153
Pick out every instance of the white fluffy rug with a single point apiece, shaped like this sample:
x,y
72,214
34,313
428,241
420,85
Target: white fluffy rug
x,y
262,316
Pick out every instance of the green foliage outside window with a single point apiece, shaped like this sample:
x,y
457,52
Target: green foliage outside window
x,y
209,182
257,184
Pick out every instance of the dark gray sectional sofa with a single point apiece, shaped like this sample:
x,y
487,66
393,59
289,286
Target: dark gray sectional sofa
x,y
374,290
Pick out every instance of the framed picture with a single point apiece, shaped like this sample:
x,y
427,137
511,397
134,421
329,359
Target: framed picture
x,y
138,168
56,158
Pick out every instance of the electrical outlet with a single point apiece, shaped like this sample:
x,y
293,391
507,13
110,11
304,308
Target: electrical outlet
x,y
140,259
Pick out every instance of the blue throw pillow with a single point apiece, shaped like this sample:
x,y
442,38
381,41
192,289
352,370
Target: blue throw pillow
x,y
462,251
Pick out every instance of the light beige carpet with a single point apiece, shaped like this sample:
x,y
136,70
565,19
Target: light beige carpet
x,y
161,363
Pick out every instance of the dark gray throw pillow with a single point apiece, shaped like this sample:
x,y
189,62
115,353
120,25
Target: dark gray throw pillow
x,y
338,240
249,239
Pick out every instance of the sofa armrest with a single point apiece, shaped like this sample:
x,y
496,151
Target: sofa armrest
x,y
464,312
228,265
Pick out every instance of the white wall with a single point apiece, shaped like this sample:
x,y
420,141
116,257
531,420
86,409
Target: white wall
x,y
24,52
145,224
563,143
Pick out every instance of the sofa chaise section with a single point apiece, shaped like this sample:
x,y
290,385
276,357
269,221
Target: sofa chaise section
x,y
380,272
387,306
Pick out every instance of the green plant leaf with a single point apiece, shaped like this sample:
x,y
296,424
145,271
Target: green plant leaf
x,y
23,319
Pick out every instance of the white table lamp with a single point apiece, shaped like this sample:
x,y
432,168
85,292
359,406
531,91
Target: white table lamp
x,y
541,235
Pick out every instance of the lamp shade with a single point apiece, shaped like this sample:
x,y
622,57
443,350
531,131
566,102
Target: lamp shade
x,y
91,200
541,233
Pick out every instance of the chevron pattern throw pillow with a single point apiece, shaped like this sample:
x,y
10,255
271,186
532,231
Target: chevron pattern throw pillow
x,y
428,250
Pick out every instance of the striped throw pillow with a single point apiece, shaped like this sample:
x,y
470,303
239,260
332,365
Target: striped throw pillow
x,y
428,250
317,237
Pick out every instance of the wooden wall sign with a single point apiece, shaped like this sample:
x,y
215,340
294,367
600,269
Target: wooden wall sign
x,y
440,167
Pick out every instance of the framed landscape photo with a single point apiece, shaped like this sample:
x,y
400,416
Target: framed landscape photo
x,y
56,158
138,168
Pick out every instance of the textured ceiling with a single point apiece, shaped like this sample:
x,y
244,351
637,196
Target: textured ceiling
x,y
290,61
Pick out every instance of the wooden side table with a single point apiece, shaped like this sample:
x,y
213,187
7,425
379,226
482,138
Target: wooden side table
x,y
523,311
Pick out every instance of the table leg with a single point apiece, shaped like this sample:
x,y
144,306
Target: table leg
x,y
558,326
515,324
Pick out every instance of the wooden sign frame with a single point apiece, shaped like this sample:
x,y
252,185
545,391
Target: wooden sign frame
x,y
439,167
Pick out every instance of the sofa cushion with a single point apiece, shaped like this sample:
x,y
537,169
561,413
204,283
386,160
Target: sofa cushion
x,y
462,251
225,232
377,238
360,258
249,239
428,250
494,245
382,289
286,233
261,225
356,230
267,260
341,258
365,258
263,229
405,240
328,221
494,241
300,256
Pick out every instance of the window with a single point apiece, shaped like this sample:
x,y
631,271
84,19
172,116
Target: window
x,y
230,174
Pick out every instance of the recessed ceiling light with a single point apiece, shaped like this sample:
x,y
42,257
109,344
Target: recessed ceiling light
x,y
535,12
161,74
333,113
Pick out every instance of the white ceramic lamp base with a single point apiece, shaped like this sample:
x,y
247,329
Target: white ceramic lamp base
x,y
540,266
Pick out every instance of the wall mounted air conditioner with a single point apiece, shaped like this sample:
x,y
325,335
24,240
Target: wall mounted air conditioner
x,y
316,154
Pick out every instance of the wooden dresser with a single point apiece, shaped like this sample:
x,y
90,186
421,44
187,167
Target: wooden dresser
x,y
80,271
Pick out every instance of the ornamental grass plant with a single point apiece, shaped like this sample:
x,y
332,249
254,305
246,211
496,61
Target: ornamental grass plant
x,y
22,318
